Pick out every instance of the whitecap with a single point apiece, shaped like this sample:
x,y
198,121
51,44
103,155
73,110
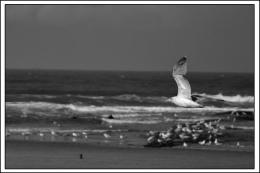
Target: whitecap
x,y
235,98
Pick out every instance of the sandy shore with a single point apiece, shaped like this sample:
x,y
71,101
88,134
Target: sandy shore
x,y
28,154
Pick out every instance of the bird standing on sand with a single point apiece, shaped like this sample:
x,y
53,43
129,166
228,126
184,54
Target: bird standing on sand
x,y
195,136
53,133
208,143
81,156
41,134
106,135
202,142
183,98
216,142
85,135
185,144
238,144
121,136
74,134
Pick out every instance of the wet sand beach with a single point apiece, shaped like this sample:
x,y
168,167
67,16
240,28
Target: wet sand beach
x,y
42,155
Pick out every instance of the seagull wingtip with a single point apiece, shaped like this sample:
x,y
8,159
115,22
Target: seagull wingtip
x,y
182,60
180,68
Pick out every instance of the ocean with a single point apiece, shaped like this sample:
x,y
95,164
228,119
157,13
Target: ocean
x,y
119,108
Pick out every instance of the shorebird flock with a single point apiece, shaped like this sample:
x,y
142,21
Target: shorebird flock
x,y
201,132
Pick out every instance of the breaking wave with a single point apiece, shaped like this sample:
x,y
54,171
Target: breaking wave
x,y
115,109
236,98
122,99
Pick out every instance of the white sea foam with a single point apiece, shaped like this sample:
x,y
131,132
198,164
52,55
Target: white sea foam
x,y
236,98
130,121
91,97
123,115
160,99
134,97
153,109
48,130
119,109
40,105
244,127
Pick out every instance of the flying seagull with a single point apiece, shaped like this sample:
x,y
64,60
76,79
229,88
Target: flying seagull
x,y
184,98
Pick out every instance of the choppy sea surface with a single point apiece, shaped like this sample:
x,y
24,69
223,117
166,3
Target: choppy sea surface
x,y
120,108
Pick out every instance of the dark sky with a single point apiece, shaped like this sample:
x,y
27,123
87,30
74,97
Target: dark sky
x,y
130,37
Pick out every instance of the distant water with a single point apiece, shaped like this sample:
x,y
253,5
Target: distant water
x,y
67,102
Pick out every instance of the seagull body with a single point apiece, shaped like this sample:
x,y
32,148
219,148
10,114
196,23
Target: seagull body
x,y
183,98
216,142
151,139
183,136
195,136
185,144
106,135
165,135
41,134
209,143
74,134
202,142
184,102
53,132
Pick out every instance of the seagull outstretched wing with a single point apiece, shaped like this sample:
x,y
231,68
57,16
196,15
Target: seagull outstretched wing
x,y
180,69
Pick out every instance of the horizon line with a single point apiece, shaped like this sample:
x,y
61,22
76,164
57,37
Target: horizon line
x,y
118,70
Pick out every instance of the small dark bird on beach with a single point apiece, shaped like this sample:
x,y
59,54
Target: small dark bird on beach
x,y
81,156
74,117
110,117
